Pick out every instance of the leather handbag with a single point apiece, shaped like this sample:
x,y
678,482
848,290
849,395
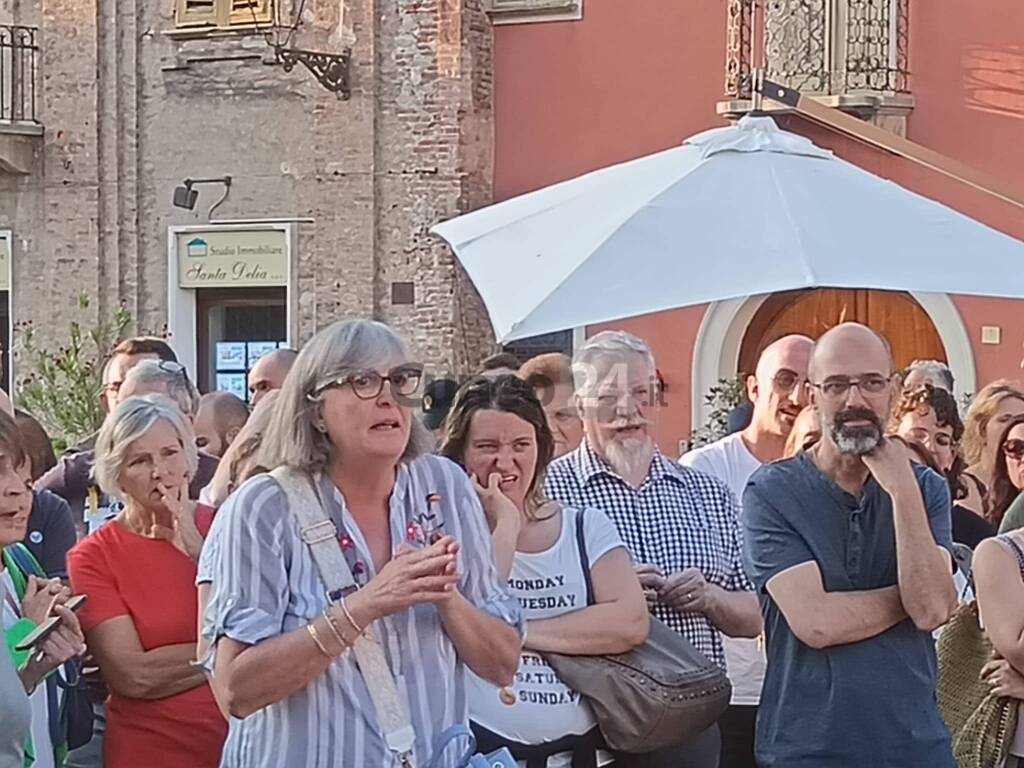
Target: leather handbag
x,y
659,694
982,724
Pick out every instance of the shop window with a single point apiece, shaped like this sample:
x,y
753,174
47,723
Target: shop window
x,y
235,327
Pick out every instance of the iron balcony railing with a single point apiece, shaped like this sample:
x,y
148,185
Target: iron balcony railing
x,y
19,53
822,47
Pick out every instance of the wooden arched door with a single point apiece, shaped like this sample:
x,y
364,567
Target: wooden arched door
x,y
812,312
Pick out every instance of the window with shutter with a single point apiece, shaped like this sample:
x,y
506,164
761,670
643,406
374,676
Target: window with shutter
x,y
518,11
196,12
223,13
250,12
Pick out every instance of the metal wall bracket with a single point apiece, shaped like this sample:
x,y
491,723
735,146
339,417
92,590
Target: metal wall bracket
x,y
330,69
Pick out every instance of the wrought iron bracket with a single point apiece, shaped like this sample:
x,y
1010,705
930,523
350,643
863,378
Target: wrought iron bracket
x,y
330,69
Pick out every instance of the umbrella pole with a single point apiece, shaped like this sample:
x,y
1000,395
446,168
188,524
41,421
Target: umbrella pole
x,y
875,136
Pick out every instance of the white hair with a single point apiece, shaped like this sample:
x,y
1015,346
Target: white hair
x,y
172,377
605,344
341,349
126,424
936,371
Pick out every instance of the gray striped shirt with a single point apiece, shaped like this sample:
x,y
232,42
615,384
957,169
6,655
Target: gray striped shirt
x,y
265,583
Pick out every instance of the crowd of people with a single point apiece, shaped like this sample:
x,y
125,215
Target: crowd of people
x,y
341,570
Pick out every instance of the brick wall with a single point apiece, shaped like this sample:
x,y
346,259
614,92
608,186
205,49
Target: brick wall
x,y
413,146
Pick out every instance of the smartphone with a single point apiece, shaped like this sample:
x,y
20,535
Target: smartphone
x,y
44,630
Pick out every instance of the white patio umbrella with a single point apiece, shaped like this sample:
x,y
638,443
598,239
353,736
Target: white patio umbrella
x,y
735,211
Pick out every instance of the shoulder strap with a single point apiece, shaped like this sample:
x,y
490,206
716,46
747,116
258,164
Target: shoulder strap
x,y
581,545
24,565
321,536
1016,549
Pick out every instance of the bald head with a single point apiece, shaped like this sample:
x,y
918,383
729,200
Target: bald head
x,y
850,344
778,389
792,352
220,418
270,372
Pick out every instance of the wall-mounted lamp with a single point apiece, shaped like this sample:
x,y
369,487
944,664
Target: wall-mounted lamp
x,y
186,197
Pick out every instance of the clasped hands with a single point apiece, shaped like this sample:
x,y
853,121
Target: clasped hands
x,y
686,591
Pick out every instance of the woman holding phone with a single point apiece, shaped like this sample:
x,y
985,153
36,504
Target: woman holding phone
x,y
139,572
27,602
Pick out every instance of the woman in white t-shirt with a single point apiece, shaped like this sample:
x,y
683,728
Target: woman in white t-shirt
x,y
497,431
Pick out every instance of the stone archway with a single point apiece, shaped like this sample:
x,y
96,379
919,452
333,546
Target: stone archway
x,y
811,312
725,325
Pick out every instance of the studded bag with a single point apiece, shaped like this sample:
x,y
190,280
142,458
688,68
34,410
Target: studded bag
x,y
657,695
982,724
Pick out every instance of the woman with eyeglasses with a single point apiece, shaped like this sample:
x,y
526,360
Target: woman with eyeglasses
x,y
412,533
139,572
998,568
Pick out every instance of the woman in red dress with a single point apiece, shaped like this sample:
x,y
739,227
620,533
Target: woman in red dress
x,y
139,572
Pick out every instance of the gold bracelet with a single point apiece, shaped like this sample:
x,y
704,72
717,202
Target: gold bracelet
x,y
338,635
359,630
316,639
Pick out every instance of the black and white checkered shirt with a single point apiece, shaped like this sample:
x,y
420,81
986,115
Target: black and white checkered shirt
x,y
678,518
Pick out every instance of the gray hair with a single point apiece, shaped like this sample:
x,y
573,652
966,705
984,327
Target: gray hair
x,y
341,349
936,371
172,377
605,344
126,424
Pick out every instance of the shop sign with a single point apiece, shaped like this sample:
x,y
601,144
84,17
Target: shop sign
x,y
232,258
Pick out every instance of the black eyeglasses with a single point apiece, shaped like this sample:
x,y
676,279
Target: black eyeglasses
x,y
367,385
840,386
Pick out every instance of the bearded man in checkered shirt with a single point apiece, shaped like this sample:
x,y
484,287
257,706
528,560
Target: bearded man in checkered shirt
x,y
680,525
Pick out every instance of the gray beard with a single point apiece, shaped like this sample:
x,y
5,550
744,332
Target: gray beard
x,y
630,458
856,442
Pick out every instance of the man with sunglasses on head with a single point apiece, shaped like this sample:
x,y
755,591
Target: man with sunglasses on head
x,y
849,545
778,391
71,479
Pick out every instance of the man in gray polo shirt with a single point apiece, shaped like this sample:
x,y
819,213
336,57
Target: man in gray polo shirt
x,y
849,547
